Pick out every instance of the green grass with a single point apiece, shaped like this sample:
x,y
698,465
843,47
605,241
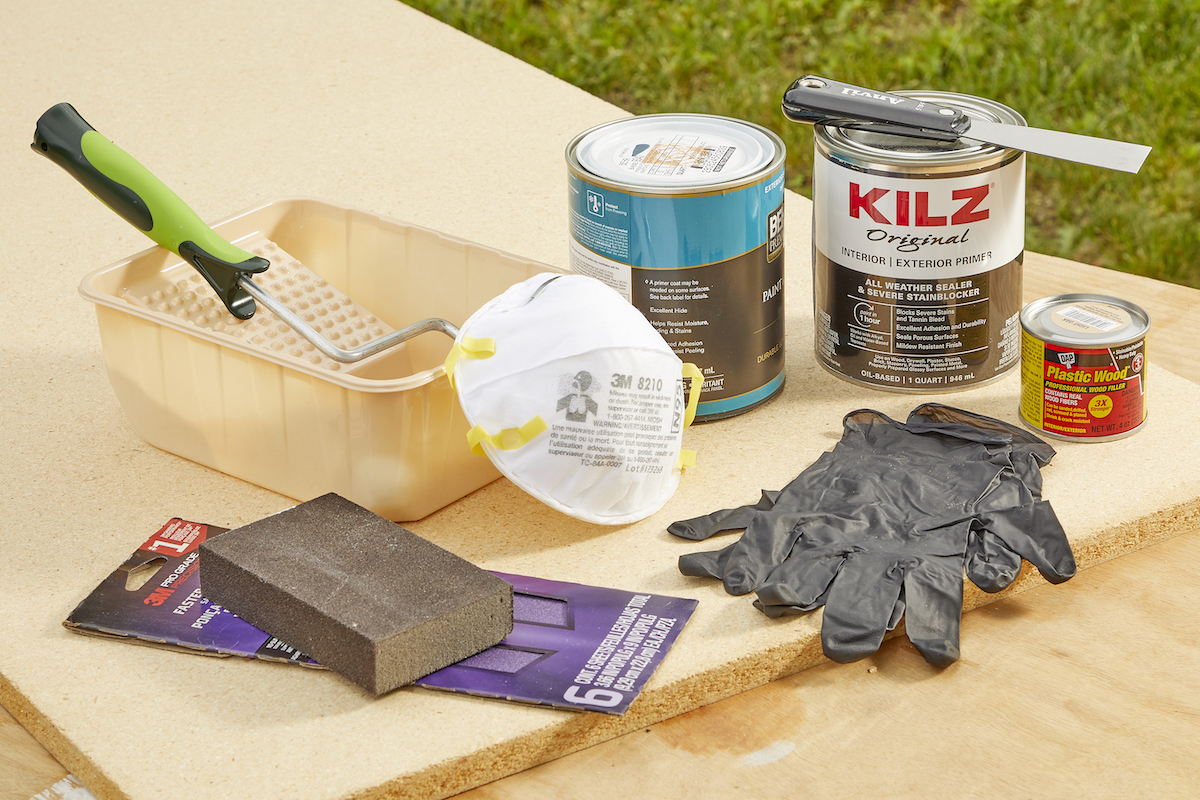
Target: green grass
x,y
1114,69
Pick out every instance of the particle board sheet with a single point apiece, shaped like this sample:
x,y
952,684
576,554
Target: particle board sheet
x,y
256,729
82,489
1057,679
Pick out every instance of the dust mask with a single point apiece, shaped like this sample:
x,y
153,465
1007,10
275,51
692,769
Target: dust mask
x,y
576,398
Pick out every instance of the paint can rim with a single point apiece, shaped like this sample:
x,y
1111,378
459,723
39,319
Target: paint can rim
x,y
867,150
1037,318
590,154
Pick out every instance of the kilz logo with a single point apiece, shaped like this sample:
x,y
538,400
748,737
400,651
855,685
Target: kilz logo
x,y
595,203
904,208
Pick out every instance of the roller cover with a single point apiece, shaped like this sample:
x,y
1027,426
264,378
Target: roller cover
x,y
364,596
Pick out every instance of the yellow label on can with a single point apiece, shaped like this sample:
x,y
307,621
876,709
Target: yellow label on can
x,y
1032,395
1074,392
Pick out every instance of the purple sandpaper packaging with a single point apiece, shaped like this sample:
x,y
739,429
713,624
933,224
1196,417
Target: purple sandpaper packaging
x,y
169,611
572,646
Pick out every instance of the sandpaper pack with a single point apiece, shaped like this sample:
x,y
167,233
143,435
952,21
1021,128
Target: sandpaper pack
x,y
154,599
572,646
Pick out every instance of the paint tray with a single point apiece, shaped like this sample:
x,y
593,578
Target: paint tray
x,y
386,432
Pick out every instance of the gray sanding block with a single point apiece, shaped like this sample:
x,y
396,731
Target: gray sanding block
x,y
362,595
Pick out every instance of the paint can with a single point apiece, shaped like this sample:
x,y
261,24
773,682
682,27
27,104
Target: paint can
x,y
683,215
917,254
1083,366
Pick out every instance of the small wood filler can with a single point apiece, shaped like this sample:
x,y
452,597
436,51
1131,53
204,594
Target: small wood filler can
x,y
917,254
1083,366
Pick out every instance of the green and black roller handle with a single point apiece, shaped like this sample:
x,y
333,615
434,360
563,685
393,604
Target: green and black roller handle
x,y
131,190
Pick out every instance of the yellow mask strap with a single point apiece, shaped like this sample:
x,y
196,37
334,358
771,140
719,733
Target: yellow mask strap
x,y
507,439
468,347
693,374
687,458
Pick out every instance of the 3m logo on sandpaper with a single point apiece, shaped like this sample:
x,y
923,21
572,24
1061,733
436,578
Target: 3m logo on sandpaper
x,y
913,208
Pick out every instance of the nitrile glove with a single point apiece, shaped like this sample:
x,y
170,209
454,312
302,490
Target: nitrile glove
x,y
881,526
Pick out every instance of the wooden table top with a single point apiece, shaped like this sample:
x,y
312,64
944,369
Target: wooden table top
x,y
1084,689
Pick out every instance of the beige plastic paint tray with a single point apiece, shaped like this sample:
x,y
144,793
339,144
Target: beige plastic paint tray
x,y
386,432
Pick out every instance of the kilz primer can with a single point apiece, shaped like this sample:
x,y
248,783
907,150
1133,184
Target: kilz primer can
x,y
683,215
1083,366
918,249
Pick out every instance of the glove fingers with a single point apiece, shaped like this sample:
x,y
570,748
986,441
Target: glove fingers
x,y
787,592
705,565
897,611
727,519
990,564
933,592
802,580
860,605
743,565
775,612
1034,533
767,542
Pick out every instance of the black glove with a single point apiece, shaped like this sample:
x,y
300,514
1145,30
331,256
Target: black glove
x,y
881,527
991,562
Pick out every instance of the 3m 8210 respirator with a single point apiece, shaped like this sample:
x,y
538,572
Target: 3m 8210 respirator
x,y
576,398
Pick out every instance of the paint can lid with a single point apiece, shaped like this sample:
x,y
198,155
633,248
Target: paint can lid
x,y
675,150
1084,319
869,149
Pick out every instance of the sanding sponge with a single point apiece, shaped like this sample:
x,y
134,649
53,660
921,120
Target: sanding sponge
x,y
360,594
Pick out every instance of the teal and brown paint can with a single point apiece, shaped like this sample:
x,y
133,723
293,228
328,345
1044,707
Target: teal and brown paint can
x,y
683,215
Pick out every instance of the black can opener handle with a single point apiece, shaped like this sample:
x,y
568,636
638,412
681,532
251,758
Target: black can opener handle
x,y
820,101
